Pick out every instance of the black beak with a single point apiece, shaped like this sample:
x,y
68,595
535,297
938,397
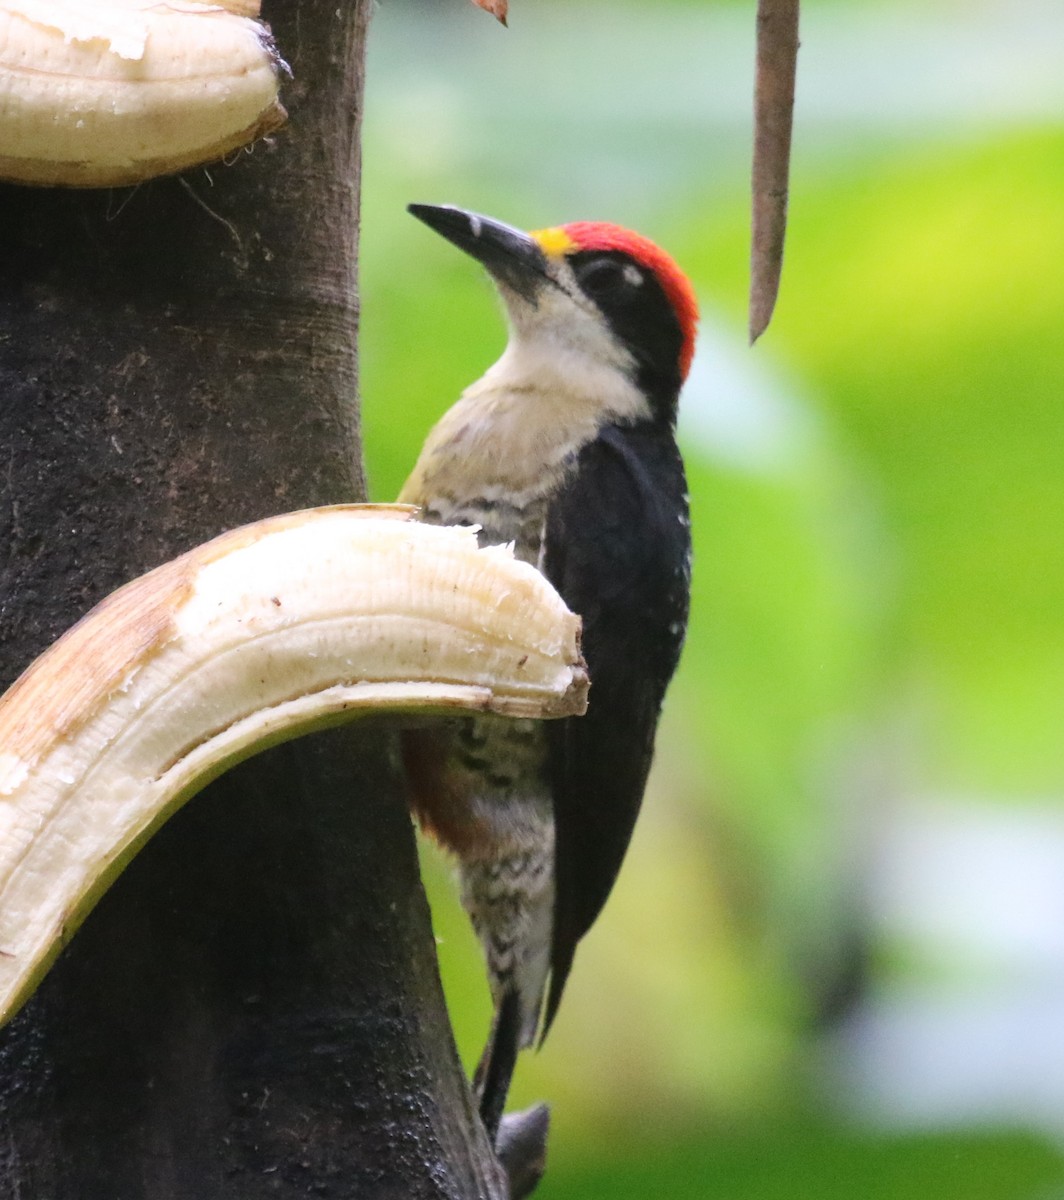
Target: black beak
x,y
510,255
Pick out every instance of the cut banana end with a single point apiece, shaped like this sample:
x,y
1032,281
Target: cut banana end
x,y
102,93
293,623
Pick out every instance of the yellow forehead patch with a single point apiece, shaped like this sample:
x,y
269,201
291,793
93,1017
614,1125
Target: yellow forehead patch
x,y
554,242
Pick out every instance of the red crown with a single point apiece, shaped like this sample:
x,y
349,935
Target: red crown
x,y
600,235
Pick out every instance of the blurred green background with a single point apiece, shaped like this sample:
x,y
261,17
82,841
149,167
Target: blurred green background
x,y
834,963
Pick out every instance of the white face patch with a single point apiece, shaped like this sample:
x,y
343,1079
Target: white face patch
x,y
564,319
632,275
563,376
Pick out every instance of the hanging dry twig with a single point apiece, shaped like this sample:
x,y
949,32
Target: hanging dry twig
x,y
497,8
777,57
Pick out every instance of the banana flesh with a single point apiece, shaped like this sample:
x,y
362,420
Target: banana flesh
x,y
99,93
289,624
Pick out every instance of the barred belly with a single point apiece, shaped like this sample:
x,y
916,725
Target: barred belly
x,y
487,798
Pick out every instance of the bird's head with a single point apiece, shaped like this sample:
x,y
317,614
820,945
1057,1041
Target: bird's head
x,y
586,293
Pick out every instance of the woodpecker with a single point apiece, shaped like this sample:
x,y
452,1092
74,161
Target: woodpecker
x,y
565,448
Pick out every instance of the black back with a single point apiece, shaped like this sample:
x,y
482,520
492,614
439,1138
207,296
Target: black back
x,y
618,550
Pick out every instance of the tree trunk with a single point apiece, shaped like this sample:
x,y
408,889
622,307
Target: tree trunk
x,y
253,1009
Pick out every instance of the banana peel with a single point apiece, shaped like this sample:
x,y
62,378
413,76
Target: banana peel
x,y
293,623
104,93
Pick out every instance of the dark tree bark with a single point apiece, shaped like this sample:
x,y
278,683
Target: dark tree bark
x,y
253,1009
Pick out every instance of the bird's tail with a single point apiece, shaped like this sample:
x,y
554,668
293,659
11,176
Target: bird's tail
x,y
511,903
496,1067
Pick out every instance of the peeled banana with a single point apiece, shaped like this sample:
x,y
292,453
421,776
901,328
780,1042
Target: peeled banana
x,y
98,93
292,623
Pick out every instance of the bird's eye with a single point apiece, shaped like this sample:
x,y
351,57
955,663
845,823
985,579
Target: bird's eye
x,y
602,276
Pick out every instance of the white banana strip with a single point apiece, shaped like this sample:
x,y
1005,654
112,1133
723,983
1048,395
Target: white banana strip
x,y
99,93
292,623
